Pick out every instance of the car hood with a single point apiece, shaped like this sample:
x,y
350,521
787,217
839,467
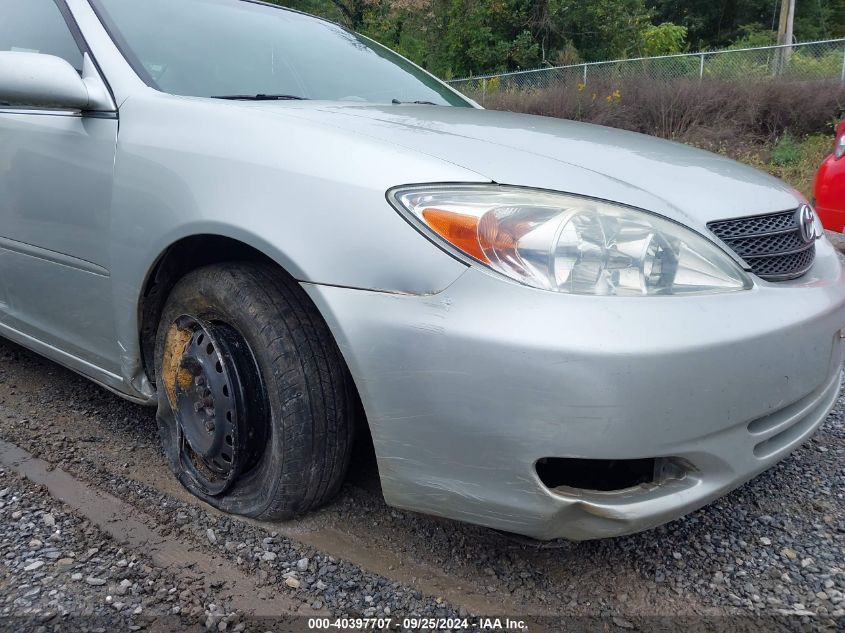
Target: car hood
x,y
689,185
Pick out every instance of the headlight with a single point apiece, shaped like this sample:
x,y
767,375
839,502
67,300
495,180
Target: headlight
x,y
570,244
839,147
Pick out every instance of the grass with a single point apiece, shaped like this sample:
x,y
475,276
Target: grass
x,y
793,160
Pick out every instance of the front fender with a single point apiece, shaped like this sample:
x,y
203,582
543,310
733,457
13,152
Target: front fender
x,y
308,196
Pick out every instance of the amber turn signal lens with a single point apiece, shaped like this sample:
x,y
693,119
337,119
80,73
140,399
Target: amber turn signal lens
x,y
457,229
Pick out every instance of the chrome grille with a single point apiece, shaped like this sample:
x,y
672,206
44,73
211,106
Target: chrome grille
x,y
772,245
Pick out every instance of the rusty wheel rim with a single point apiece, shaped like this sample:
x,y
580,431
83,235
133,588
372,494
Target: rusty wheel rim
x,y
220,405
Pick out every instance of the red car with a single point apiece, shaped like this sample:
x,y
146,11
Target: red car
x,y
829,185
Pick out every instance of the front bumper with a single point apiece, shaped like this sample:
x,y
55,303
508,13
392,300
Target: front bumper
x,y
467,389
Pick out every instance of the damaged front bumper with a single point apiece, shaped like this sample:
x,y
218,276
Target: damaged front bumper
x,y
467,391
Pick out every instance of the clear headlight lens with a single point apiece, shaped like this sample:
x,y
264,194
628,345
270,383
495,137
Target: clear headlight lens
x,y
571,244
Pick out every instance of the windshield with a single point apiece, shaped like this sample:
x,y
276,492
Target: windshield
x,y
226,48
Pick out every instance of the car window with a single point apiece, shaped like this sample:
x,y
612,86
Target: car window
x,y
37,26
210,48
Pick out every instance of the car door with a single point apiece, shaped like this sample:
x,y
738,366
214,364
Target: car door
x,y
55,194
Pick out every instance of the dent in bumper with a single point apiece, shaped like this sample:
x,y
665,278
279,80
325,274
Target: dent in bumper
x,y
466,390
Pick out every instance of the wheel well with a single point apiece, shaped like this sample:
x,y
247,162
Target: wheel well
x,y
177,261
195,252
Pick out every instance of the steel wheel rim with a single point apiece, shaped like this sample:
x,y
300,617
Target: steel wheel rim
x,y
220,405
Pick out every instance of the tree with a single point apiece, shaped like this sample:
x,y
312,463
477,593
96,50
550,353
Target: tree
x,y
713,23
719,23
469,37
348,12
606,29
663,39
819,19
491,35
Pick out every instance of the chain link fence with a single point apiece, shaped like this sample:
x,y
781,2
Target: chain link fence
x,y
807,61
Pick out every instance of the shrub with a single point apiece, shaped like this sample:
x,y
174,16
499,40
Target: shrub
x,y
803,64
709,113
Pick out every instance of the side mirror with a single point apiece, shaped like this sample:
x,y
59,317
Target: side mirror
x,y
33,79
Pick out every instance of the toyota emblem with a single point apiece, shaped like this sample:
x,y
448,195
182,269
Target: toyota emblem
x,y
807,223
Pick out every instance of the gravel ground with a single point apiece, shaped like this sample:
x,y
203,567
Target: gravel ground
x,y
56,564
774,547
322,582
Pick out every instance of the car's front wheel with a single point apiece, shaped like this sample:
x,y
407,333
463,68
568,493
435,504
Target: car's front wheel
x,y
255,405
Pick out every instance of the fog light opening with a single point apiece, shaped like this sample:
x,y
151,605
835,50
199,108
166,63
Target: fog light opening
x,y
606,475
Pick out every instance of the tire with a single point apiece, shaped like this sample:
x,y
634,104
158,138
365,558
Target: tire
x,y
305,424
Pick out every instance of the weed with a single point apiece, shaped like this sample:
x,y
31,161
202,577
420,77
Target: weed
x,y
786,151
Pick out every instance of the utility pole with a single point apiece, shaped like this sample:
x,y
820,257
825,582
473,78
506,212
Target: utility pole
x,y
785,29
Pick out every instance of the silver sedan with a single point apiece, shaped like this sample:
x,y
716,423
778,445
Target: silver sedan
x,y
282,235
